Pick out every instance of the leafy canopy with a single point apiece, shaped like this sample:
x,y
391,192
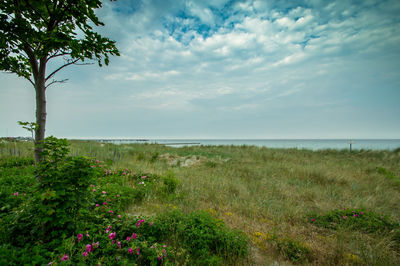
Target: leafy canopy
x,y
34,32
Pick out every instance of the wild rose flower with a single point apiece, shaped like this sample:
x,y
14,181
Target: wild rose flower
x,y
80,236
139,222
108,229
96,245
130,250
119,216
117,258
94,190
97,205
87,234
85,254
138,251
118,195
111,236
361,213
103,192
128,238
344,217
16,194
119,244
355,215
65,257
113,242
89,248
164,246
110,211
134,236
159,257
164,251
312,219
104,203
144,177
92,185
151,223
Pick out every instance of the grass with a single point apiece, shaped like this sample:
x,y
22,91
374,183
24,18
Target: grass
x,y
270,194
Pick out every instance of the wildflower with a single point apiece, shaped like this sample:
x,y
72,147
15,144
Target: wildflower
x,y
80,236
312,220
89,248
164,251
119,244
104,203
144,177
138,251
97,205
109,171
65,257
355,215
164,246
118,195
123,173
151,223
119,216
139,222
111,236
92,185
96,245
16,194
128,238
103,192
113,242
134,236
130,250
116,258
344,208
344,217
361,213
94,190
108,229
159,257
110,211
50,263
87,234
85,253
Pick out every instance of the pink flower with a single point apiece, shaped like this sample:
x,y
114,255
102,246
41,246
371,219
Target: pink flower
x,y
164,246
134,236
138,251
96,245
92,185
113,242
140,222
104,203
344,208
97,205
344,217
116,258
80,236
159,257
65,257
89,248
16,194
108,229
119,216
361,213
111,236
128,238
85,254
164,251
144,177
355,215
312,220
119,244
87,234
130,250
110,211
118,195
103,192
123,173
151,223
94,190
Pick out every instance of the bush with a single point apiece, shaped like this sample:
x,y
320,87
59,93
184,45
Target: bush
x,y
354,219
293,250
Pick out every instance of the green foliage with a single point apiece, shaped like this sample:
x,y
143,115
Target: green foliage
x,y
170,183
293,250
205,238
8,162
354,219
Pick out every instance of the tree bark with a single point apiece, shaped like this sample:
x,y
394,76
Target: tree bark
x,y
40,88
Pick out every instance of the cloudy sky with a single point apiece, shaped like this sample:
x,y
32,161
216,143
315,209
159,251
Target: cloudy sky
x,y
229,69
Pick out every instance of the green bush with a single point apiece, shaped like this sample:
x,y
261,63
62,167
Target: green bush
x,y
354,219
293,250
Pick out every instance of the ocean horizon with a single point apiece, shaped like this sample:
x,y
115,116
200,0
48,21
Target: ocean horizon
x,y
312,144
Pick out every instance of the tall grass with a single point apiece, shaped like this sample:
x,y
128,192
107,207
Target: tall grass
x,y
270,193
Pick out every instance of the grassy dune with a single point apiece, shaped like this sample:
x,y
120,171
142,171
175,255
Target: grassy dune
x,y
274,195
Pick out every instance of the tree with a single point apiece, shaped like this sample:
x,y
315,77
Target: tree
x,y
35,32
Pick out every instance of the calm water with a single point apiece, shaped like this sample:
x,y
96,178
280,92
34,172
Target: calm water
x,y
312,144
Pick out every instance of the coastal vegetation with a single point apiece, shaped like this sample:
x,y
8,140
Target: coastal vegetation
x,y
210,205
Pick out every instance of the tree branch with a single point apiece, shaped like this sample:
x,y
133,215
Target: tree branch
x,y
57,55
56,81
61,67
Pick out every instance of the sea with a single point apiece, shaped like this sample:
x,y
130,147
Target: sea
x,y
311,144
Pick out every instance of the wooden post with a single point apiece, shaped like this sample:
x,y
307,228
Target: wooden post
x,y
351,143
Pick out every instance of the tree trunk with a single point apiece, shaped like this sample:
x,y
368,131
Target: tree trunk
x,y
40,88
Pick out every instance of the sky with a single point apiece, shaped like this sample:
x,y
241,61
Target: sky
x,y
228,70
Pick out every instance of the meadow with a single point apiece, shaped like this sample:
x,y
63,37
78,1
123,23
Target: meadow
x,y
290,206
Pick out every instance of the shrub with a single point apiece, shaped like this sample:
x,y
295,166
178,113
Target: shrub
x,y
293,250
354,219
